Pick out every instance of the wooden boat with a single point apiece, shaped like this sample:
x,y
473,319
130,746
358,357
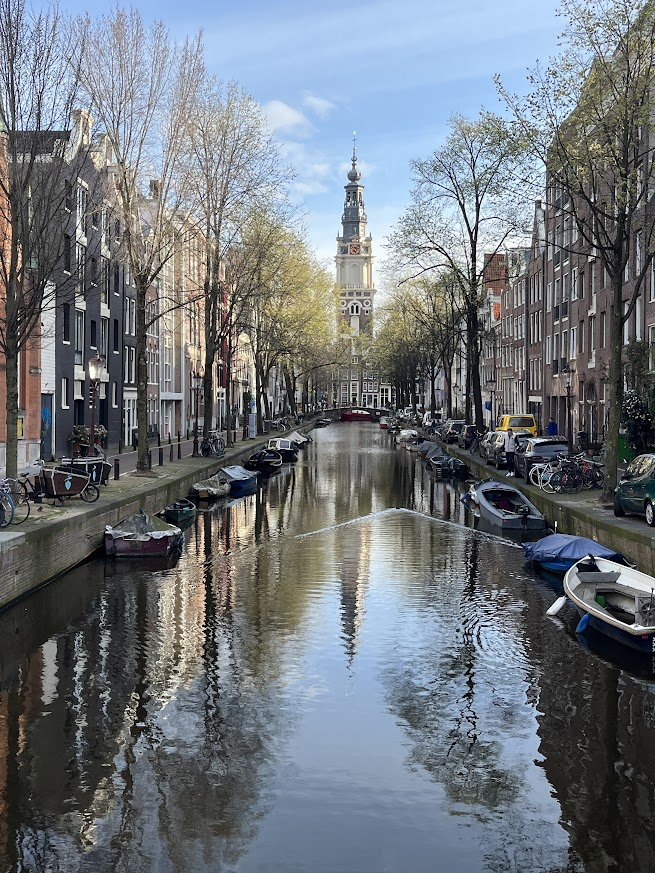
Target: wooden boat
x,y
180,511
142,535
506,506
285,447
241,481
211,489
384,423
356,415
408,435
266,461
558,552
615,600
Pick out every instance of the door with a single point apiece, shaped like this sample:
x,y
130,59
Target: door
x,y
46,426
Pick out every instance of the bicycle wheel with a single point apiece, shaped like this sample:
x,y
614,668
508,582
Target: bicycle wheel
x,y
535,476
205,450
90,494
598,477
555,481
6,509
219,447
18,493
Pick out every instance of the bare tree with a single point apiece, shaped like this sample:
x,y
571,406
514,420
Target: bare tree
x,y
38,91
234,171
141,87
462,206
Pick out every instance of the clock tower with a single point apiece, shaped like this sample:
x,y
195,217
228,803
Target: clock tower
x,y
354,267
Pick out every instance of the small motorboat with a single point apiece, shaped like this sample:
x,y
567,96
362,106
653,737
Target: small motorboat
x,y
285,447
323,422
558,552
299,439
506,506
427,448
241,481
140,535
615,600
408,435
266,461
356,415
211,489
384,423
180,511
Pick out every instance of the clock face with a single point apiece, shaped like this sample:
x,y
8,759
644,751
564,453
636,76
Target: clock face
x,y
354,248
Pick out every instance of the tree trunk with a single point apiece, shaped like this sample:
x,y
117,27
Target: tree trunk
x,y
142,380
11,407
616,393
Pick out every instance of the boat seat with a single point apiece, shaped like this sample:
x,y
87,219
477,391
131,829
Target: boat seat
x,y
603,578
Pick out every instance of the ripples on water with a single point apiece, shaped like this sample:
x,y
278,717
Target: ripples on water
x,y
337,675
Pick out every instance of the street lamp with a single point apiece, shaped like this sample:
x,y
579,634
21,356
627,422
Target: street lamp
x,y
568,371
196,376
97,369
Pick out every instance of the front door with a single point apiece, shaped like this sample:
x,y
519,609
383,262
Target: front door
x,y
46,426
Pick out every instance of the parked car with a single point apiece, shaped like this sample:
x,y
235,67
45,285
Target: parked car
x,y
535,450
466,436
451,430
485,444
635,491
517,423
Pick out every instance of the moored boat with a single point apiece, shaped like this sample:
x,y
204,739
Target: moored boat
x,y
180,510
211,489
266,461
558,552
615,600
241,481
285,447
299,439
142,534
506,506
356,415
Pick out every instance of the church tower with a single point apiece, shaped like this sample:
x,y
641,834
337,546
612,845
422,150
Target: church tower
x,y
354,265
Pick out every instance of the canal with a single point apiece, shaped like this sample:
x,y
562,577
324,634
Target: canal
x,y
338,675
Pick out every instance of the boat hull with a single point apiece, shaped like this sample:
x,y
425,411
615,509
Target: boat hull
x,y
507,508
126,547
356,415
615,600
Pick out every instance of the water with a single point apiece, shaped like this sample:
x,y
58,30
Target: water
x,y
337,676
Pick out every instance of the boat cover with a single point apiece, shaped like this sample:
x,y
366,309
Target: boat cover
x,y
297,437
236,473
565,547
142,526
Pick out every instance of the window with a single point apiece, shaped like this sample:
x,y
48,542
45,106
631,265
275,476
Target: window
x,y
66,312
117,280
602,339
104,281
573,347
80,252
65,393
79,337
68,195
626,324
592,335
82,209
581,336
104,337
116,337
67,253
651,347
114,395
93,338
639,253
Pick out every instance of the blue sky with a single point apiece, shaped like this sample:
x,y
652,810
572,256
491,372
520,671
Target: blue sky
x,y
392,71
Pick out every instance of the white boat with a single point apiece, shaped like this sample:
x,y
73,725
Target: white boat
x,y
408,435
506,506
299,439
241,481
616,600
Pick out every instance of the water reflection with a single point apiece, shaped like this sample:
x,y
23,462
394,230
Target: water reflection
x,y
337,674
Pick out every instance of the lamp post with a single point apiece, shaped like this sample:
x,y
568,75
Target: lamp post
x,y
196,376
568,371
97,367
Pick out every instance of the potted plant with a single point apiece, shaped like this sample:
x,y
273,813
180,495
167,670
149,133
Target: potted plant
x,y
79,438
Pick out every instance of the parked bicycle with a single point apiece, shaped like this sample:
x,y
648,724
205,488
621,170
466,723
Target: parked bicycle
x,y
6,508
18,493
212,444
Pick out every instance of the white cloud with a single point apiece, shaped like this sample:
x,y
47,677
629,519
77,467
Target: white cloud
x,y
284,118
318,105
